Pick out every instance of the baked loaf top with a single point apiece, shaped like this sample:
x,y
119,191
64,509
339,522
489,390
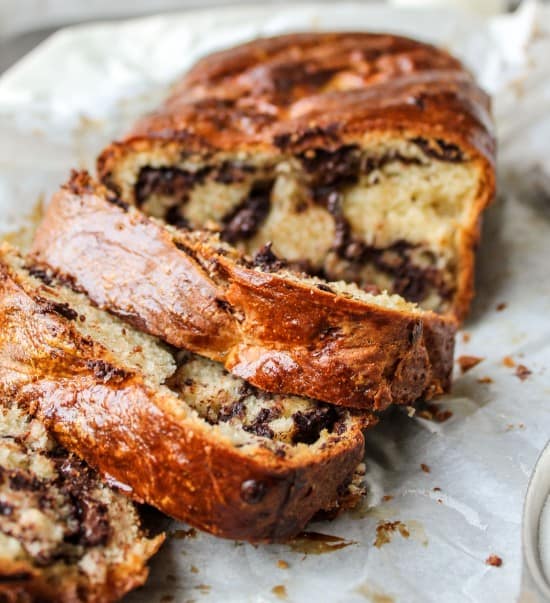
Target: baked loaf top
x,y
300,91
173,429
64,535
280,331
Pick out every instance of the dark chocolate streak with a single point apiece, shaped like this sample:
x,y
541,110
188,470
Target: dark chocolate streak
x,y
329,172
75,482
244,220
166,181
333,171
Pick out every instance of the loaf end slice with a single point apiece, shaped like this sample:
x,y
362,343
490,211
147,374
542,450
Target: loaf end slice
x,y
64,534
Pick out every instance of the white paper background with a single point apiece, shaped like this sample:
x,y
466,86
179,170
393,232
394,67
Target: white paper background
x,y
85,85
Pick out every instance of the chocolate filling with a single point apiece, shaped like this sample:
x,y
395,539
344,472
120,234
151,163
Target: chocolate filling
x,y
267,261
310,424
439,149
167,181
244,220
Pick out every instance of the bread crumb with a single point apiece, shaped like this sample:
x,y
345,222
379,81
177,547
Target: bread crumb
x,y
425,468
279,591
468,362
501,306
485,380
522,372
384,531
282,564
387,497
194,569
494,560
436,489
465,337
508,361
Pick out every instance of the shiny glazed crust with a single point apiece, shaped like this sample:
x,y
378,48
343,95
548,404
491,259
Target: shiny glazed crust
x,y
149,441
292,94
280,332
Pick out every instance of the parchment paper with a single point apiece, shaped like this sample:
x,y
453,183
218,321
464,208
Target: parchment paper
x,y
85,85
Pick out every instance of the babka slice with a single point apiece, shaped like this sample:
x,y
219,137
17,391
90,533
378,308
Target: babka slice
x,y
362,157
281,331
172,429
65,535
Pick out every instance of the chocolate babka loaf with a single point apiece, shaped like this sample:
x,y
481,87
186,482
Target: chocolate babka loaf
x,y
281,331
173,429
65,536
361,157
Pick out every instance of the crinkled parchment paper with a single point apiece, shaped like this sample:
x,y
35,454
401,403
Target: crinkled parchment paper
x,y
86,84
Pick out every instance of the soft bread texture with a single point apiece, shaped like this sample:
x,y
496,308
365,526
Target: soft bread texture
x,y
278,330
65,535
361,157
171,428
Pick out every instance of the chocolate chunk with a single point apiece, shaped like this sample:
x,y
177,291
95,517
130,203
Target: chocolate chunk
x,y
232,171
167,181
94,529
308,425
333,168
61,308
324,287
243,221
20,481
260,425
439,149
174,217
41,275
252,491
107,372
265,259
236,409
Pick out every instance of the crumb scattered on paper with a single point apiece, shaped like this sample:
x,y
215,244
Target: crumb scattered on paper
x,y
501,306
485,380
282,564
425,468
468,362
509,361
494,560
386,529
522,372
466,337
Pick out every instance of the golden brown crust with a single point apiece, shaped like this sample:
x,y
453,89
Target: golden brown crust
x,y
278,333
159,451
292,93
316,90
